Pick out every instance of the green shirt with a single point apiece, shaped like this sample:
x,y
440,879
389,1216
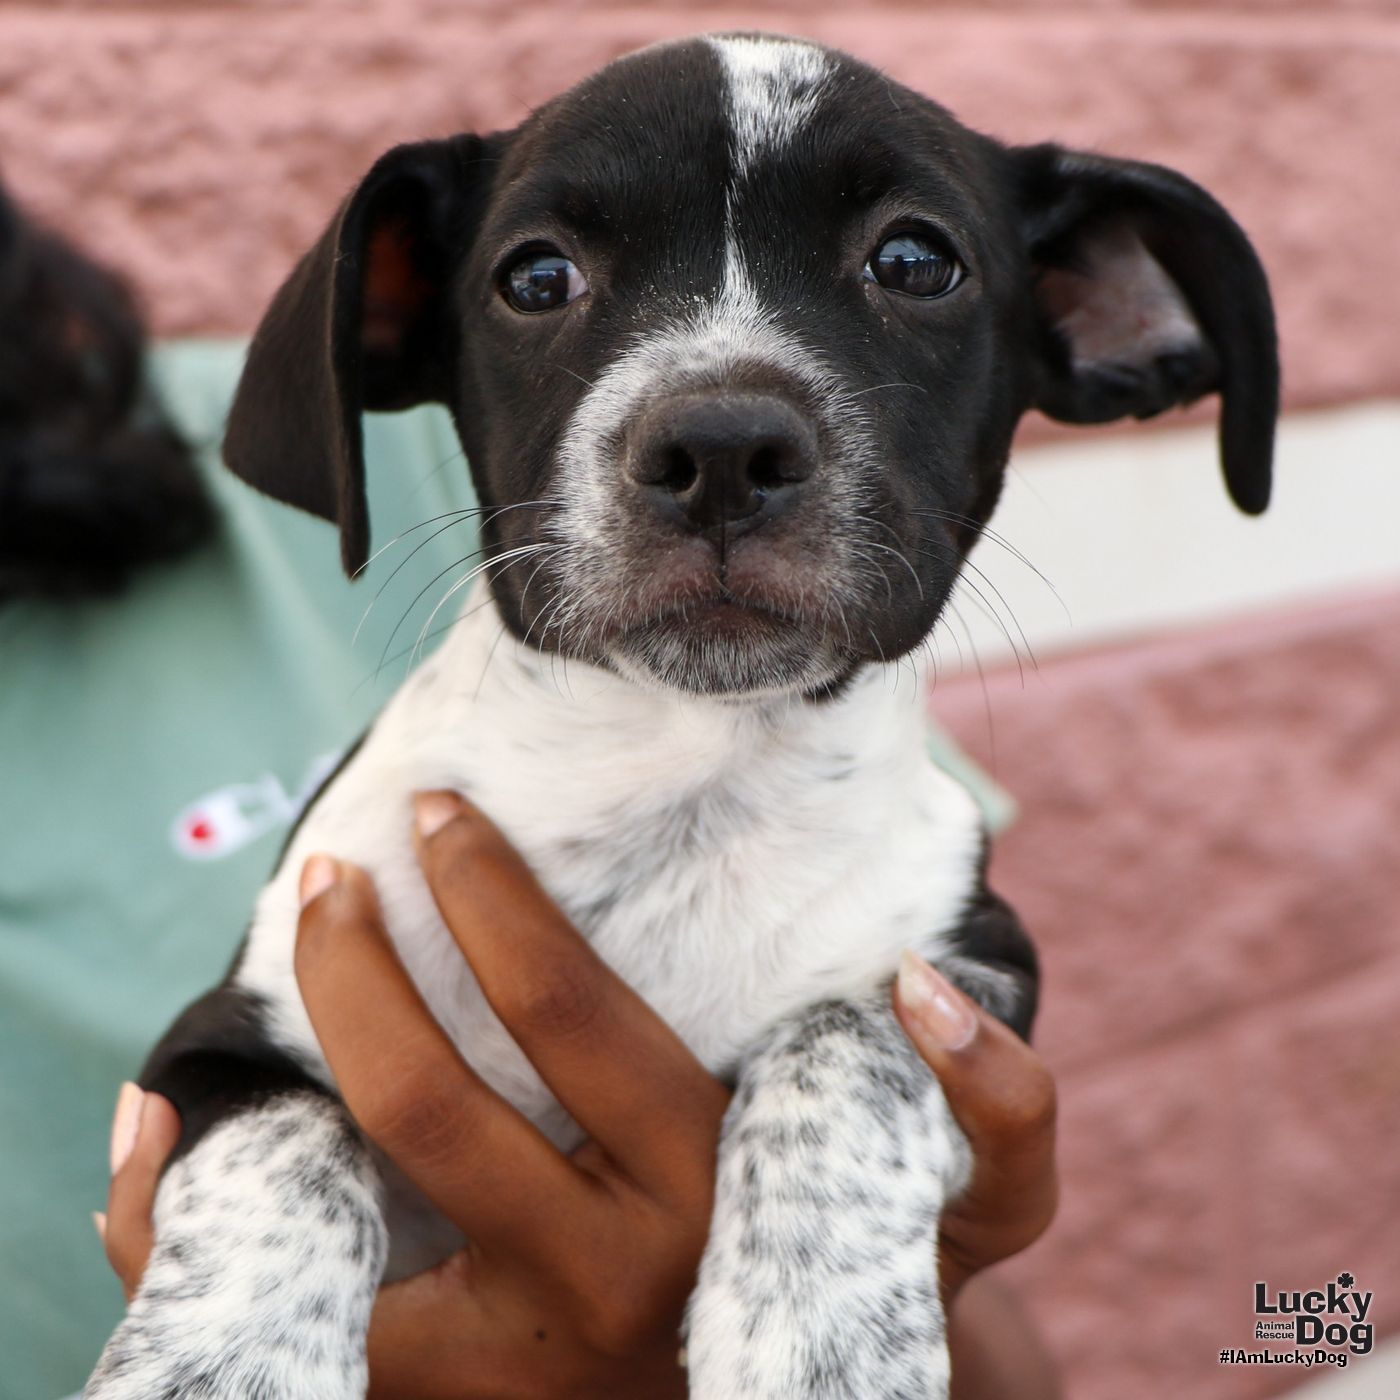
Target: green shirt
x,y
153,749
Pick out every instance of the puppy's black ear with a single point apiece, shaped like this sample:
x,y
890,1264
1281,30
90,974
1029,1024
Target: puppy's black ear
x,y
363,322
1149,296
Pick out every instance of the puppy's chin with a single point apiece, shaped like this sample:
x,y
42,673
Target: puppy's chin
x,y
726,651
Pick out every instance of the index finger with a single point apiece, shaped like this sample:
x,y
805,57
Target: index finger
x,y
489,1170
623,1074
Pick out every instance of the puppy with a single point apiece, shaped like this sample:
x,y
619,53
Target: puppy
x,y
94,483
735,334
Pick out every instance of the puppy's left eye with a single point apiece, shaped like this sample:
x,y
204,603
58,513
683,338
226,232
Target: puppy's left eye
x,y
542,280
916,264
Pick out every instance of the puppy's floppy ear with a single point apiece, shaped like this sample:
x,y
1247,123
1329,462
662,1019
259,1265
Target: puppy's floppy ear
x,y
1149,296
363,322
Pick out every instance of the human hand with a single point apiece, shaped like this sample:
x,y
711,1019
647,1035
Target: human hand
x,y
1003,1097
578,1267
597,1251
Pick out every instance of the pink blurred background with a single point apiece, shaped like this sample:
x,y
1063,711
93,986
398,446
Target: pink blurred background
x,y
1208,850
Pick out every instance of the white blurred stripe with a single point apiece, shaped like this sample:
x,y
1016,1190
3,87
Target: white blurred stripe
x,y
1137,534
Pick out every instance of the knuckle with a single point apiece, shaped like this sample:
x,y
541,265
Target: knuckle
x,y
562,1006
416,1117
1027,1111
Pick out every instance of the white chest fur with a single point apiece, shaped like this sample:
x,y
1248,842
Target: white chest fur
x,y
733,861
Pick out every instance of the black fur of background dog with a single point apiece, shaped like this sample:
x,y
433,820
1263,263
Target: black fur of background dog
x,y
94,482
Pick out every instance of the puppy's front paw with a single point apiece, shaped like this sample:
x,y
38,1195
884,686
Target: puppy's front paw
x,y
819,1281
154,1358
270,1243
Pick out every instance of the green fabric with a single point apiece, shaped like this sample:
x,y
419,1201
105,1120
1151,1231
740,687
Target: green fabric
x,y
233,667
232,673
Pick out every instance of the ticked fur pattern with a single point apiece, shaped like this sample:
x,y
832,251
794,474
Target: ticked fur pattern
x,y
270,1245
836,1161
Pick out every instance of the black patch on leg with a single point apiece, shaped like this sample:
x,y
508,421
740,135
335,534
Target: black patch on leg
x,y
991,936
217,1060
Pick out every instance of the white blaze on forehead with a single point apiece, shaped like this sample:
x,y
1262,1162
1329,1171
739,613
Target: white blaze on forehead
x,y
774,87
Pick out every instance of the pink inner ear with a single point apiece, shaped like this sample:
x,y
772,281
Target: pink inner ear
x,y
1117,305
395,292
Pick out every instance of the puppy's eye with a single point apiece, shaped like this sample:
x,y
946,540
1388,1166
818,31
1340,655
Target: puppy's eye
x,y
541,280
916,264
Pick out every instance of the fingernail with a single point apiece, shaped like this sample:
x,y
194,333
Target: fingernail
x,y
99,1222
433,810
317,876
929,997
126,1125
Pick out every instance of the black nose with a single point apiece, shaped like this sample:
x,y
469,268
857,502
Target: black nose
x,y
723,461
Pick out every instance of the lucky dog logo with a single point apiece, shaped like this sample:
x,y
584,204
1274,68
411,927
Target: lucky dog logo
x,y
1335,1315
1320,1326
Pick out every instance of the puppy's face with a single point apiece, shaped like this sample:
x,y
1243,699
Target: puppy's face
x,y
747,338
736,335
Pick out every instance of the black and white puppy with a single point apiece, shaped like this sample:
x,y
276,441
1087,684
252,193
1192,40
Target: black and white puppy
x,y
736,334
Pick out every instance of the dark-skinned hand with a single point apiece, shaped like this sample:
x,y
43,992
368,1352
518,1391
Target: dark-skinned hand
x,y
578,1267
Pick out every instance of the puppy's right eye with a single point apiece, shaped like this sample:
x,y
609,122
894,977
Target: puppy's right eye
x,y
916,265
542,280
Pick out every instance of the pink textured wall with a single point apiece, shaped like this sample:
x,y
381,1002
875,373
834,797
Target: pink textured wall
x,y
1208,856
202,143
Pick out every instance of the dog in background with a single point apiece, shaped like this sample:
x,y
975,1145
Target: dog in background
x,y
736,335
94,482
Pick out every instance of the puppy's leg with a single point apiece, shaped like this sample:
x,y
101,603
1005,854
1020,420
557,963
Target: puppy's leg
x,y
820,1279
269,1233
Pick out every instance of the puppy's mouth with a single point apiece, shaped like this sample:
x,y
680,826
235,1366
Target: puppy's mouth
x,y
723,648
722,617
742,627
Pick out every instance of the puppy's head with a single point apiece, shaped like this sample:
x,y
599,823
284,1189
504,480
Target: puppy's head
x,y
736,334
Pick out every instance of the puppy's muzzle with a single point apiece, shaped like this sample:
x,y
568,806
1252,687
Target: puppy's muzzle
x,y
721,464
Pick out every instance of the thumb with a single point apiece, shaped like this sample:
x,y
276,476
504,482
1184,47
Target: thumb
x,y
996,1085
1003,1098
144,1134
